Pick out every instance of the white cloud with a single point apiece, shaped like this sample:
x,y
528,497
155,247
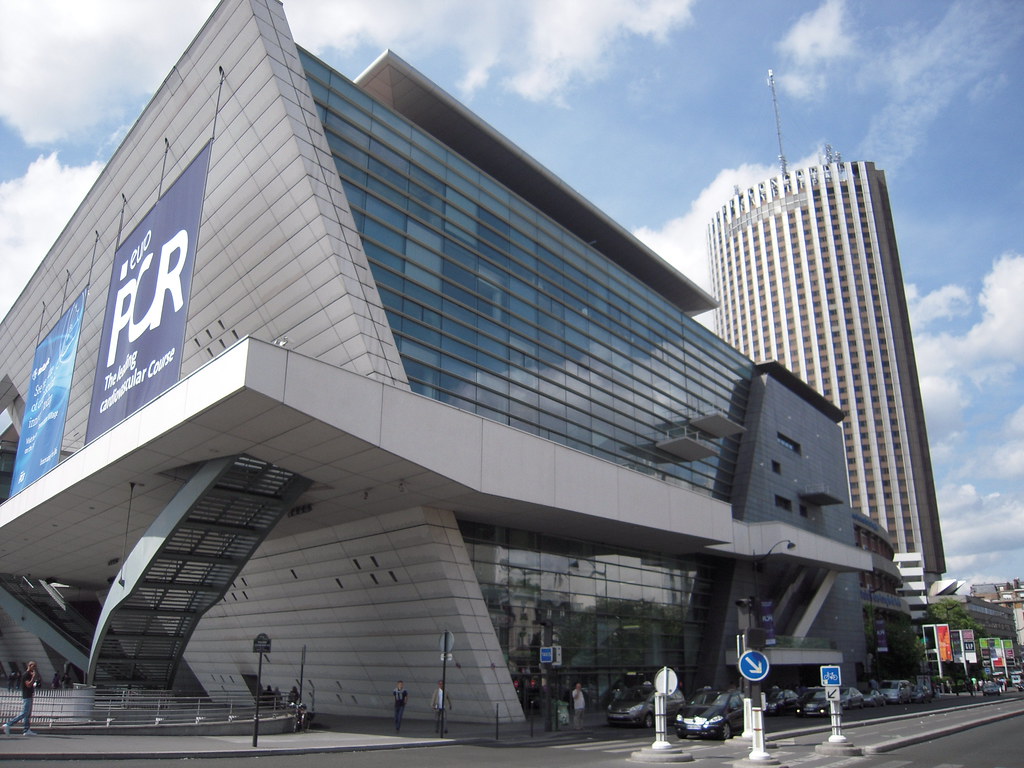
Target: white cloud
x,y
683,241
33,210
924,71
947,302
983,533
67,67
815,41
540,48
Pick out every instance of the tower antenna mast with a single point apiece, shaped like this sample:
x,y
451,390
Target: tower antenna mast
x,y
778,121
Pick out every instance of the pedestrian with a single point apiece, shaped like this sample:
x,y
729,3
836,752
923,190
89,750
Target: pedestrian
x,y
29,681
579,706
293,696
440,703
401,696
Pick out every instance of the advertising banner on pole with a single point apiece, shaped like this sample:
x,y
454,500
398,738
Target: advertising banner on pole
x,y
46,406
970,646
768,621
942,642
881,640
957,643
147,303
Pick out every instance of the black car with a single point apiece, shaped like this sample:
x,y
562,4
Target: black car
x,y
635,706
812,703
780,701
711,714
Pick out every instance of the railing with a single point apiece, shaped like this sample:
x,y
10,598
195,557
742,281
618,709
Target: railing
x,y
85,705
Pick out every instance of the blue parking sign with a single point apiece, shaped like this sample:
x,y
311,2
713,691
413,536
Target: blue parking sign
x,y
831,676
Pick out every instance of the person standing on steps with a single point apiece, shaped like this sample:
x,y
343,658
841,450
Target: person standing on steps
x,y
29,681
401,697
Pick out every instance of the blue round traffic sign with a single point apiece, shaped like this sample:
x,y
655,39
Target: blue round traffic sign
x,y
754,666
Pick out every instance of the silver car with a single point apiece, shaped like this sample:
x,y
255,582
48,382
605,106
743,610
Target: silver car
x,y
896,691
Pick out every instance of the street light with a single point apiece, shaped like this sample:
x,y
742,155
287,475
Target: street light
x,y
756,565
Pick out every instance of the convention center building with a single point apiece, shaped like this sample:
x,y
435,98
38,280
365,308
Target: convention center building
x,y
333,369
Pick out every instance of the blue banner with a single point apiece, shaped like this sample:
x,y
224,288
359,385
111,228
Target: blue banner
x,y
46,406
147,303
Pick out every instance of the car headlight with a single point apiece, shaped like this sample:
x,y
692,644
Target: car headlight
x,y
680,718
716,719
636,710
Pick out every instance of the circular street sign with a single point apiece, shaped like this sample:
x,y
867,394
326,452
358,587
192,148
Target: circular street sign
x,y
261,644
666,681
754,666
447,642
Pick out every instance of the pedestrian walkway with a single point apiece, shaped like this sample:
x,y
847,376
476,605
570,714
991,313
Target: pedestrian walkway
x,y
346,734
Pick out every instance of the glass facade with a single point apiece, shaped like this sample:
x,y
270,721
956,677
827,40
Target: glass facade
x,y
619,615
499,310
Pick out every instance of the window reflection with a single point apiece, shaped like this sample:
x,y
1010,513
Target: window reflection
x,y
615,612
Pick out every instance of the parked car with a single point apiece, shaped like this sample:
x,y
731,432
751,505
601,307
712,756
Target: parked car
x,y
991,688
921,694
710,713
851,698
635,706
896,691
780,701
874,698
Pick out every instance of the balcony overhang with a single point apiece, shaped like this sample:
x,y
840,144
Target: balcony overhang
x,y
686,447
369,449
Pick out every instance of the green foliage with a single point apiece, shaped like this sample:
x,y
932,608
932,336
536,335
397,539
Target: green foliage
x,y
952,612
905,654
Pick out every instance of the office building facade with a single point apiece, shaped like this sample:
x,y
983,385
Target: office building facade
x,y
807,273
420,386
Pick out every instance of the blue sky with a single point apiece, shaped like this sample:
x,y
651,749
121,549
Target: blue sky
x,y
653,109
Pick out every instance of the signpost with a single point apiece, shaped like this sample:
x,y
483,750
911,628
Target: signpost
x,y
754,666
260,645
447,644
665,684
832,678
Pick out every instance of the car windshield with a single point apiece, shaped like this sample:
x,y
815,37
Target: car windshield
x,y
890,684
707,697
817,695
775,695
630,696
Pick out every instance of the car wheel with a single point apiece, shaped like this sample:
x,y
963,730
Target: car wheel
x,y
726,731
648,720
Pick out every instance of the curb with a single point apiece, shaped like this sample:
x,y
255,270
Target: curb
x,y
906,741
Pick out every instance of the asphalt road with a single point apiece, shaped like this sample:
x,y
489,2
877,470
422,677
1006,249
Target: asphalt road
x,y
991,746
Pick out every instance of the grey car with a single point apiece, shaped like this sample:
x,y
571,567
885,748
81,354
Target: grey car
x,y
896,691
635,706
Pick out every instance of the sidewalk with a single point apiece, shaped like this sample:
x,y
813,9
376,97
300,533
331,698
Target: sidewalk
x,y
348,734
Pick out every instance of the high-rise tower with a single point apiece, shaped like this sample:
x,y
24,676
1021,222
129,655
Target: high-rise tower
x,y
807,273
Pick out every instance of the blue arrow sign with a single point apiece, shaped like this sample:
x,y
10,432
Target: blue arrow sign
x,y
831,676
754,666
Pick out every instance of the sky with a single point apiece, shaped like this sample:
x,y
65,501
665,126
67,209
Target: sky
x,y
654,110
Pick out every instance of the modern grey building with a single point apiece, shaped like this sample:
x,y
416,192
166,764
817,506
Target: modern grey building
x,y
418,385
807,272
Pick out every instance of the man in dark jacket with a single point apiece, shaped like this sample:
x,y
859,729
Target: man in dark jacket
x,y
29,681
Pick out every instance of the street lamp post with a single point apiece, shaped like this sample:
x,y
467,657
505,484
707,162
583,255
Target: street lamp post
x,y
757,637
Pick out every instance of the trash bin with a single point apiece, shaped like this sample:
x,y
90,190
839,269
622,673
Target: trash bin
x,y
562,712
